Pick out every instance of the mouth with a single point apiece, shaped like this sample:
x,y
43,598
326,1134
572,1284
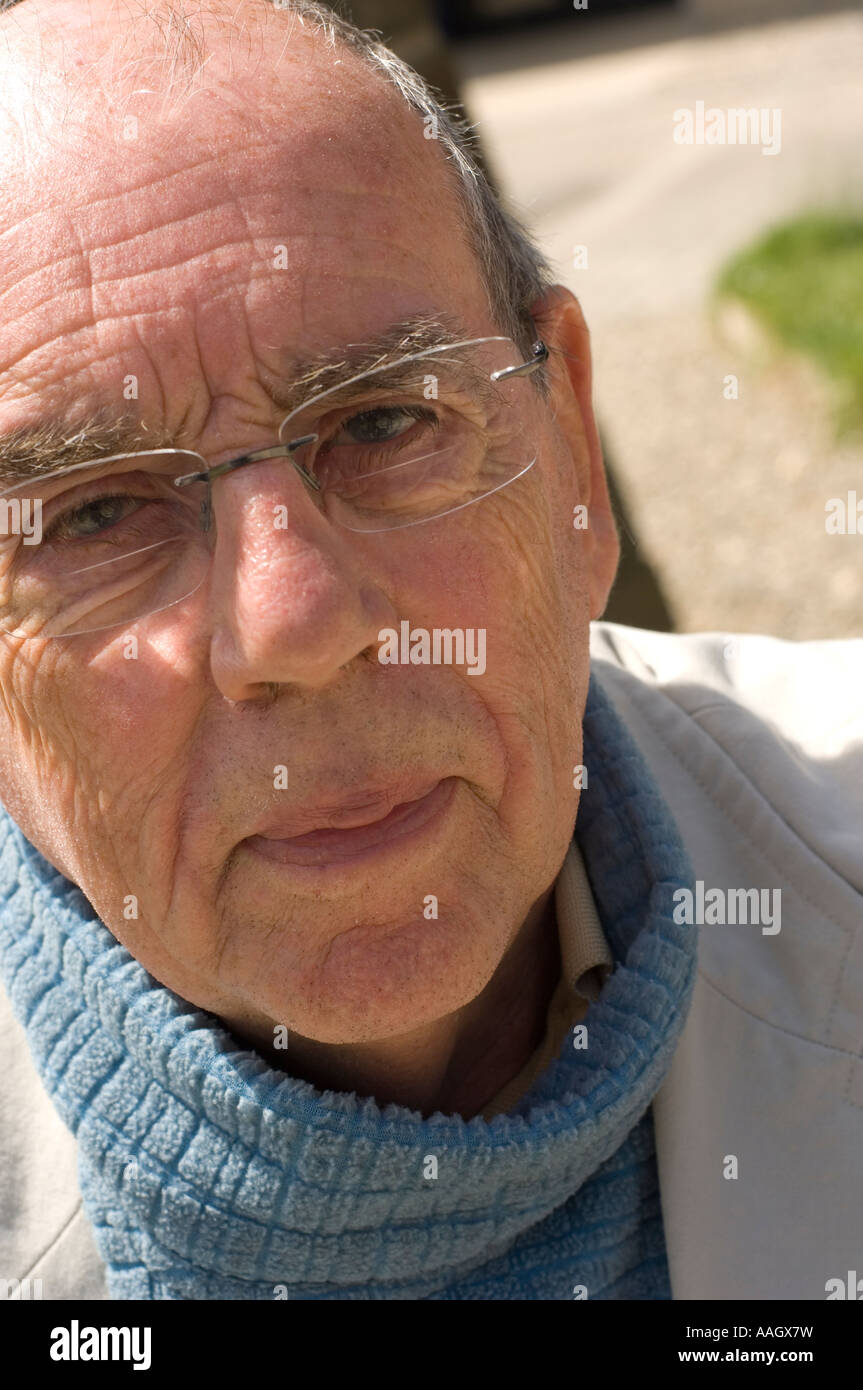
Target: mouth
x,y
363,832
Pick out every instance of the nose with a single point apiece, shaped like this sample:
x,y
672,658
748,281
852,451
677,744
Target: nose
x,y
292,599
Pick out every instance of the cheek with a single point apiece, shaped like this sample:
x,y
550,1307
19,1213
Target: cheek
x,y
35,734
515,567
139,753
38,757
517,572
90,739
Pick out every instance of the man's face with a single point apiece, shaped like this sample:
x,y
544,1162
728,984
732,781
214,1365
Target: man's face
x,y
151,782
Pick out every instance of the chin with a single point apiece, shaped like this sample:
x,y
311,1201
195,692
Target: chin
x,y
379,982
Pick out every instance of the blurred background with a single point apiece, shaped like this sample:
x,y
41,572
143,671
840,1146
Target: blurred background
x,y
723,286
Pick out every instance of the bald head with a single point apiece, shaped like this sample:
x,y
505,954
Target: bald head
x,y
172,38
118,69
58,56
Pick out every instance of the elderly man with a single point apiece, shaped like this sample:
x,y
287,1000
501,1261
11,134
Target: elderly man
x,y
350,880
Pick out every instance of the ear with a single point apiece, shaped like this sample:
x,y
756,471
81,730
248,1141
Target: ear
x,y
560,323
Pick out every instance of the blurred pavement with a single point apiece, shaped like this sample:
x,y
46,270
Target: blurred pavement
x,y
727,496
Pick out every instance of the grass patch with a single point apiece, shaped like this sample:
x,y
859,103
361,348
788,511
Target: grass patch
x,y
803,282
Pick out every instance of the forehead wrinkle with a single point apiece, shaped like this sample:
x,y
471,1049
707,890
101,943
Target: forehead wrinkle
x,y
129,207
364,91
250,81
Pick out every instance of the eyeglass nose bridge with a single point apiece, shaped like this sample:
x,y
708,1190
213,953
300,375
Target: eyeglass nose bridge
x,y
256,456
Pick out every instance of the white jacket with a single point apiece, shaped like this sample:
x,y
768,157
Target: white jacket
x,y
757,746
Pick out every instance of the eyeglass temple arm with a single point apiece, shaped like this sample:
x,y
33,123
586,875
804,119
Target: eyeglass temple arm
x,y
540,354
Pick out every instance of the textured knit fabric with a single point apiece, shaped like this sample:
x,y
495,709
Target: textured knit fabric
x,y
208,1175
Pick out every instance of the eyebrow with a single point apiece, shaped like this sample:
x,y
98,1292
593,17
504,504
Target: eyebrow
x,y
47,446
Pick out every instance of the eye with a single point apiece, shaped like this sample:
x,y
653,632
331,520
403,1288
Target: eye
x,y
91,518
382,424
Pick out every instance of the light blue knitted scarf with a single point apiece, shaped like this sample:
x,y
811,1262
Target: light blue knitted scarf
x,y
208,1175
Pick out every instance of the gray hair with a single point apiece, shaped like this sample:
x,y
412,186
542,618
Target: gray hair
x,y
513,270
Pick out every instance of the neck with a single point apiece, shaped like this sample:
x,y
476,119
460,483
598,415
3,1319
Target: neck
x,y
458,1063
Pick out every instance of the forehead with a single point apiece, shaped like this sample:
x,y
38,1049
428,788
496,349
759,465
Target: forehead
x,y
282,192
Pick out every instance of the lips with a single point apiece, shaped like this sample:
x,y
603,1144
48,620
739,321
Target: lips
x,y
342,832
